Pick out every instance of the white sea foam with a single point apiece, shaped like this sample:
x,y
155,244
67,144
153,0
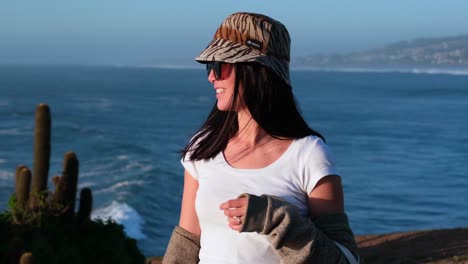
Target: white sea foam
x,y
11,132
119,185
440,71
116,166
5,175
125,215
87,184
389,70
140,166
122,157
104,166
88,103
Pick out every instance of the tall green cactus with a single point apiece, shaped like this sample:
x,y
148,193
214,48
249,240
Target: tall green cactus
x,y
18,170
70,177
17,177
23,181
41,149
86,205
59,193
54,212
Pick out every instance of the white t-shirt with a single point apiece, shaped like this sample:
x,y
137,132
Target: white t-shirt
x,y
291,177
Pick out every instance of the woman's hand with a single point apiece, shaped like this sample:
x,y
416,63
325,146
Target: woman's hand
x,y
235,211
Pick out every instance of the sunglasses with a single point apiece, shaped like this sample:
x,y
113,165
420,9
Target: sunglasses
x,y
216,67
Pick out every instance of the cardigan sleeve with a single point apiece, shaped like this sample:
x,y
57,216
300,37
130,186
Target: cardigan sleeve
x,y
295,238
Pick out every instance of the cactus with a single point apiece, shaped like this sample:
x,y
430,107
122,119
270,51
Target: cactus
x,y
59,193
23,181
66,185
42,215
18,170
26,258
41,149
70,178
17,178
86,205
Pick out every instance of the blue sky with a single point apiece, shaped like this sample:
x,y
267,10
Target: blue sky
x,y
173,32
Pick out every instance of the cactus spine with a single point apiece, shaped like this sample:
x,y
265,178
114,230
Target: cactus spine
x,y
41,148
23,181
86,205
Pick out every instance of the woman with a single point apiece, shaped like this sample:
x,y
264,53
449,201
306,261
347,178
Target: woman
x,y
260,185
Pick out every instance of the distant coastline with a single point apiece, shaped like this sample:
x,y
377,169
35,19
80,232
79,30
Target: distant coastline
x,y
447,53
462,71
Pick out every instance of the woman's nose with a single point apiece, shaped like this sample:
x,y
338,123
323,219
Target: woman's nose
x,y
211,77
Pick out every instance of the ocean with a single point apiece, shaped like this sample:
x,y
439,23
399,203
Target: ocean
x,y
400,140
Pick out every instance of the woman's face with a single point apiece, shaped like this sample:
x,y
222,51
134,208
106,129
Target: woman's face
x,y
224,85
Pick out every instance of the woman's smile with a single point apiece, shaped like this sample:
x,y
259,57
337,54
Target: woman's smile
x,y
220,90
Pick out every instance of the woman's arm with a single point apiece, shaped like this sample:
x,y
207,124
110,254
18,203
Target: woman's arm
x,y
188,216
326,207
184,245
326,197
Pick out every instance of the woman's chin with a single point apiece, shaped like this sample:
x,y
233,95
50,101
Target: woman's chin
x,y
222,107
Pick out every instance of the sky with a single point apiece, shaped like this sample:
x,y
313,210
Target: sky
x,y
155,32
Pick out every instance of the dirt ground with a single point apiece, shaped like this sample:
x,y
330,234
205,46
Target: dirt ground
x,y
432,246
445,246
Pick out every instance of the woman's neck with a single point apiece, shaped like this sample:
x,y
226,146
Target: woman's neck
x,y
250,133
252,147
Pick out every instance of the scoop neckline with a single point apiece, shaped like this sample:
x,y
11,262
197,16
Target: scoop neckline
x,y
274,164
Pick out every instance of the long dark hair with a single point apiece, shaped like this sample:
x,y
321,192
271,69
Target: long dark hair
x,y
270,102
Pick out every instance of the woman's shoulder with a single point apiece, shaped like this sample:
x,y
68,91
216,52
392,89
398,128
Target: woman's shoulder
x,y
313,147
310,141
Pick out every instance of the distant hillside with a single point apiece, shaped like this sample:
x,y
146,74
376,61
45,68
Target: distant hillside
x,y
429,52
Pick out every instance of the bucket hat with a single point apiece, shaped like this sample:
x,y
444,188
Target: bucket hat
x,y
250,37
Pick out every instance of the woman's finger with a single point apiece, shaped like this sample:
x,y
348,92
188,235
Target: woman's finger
x,y
234,203
235,220
235,209
235,212
235,227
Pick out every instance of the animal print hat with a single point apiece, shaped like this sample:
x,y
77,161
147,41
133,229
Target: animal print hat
x,y
248,37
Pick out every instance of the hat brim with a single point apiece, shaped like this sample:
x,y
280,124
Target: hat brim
x,y
227,51
232,52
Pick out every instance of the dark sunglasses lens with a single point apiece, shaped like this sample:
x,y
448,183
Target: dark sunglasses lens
x,y
209,67
216,67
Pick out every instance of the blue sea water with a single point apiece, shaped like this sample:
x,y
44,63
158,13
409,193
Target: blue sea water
x,y
400,140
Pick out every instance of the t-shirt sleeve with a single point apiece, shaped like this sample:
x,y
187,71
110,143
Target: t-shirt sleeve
x,y
190,166
319,162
